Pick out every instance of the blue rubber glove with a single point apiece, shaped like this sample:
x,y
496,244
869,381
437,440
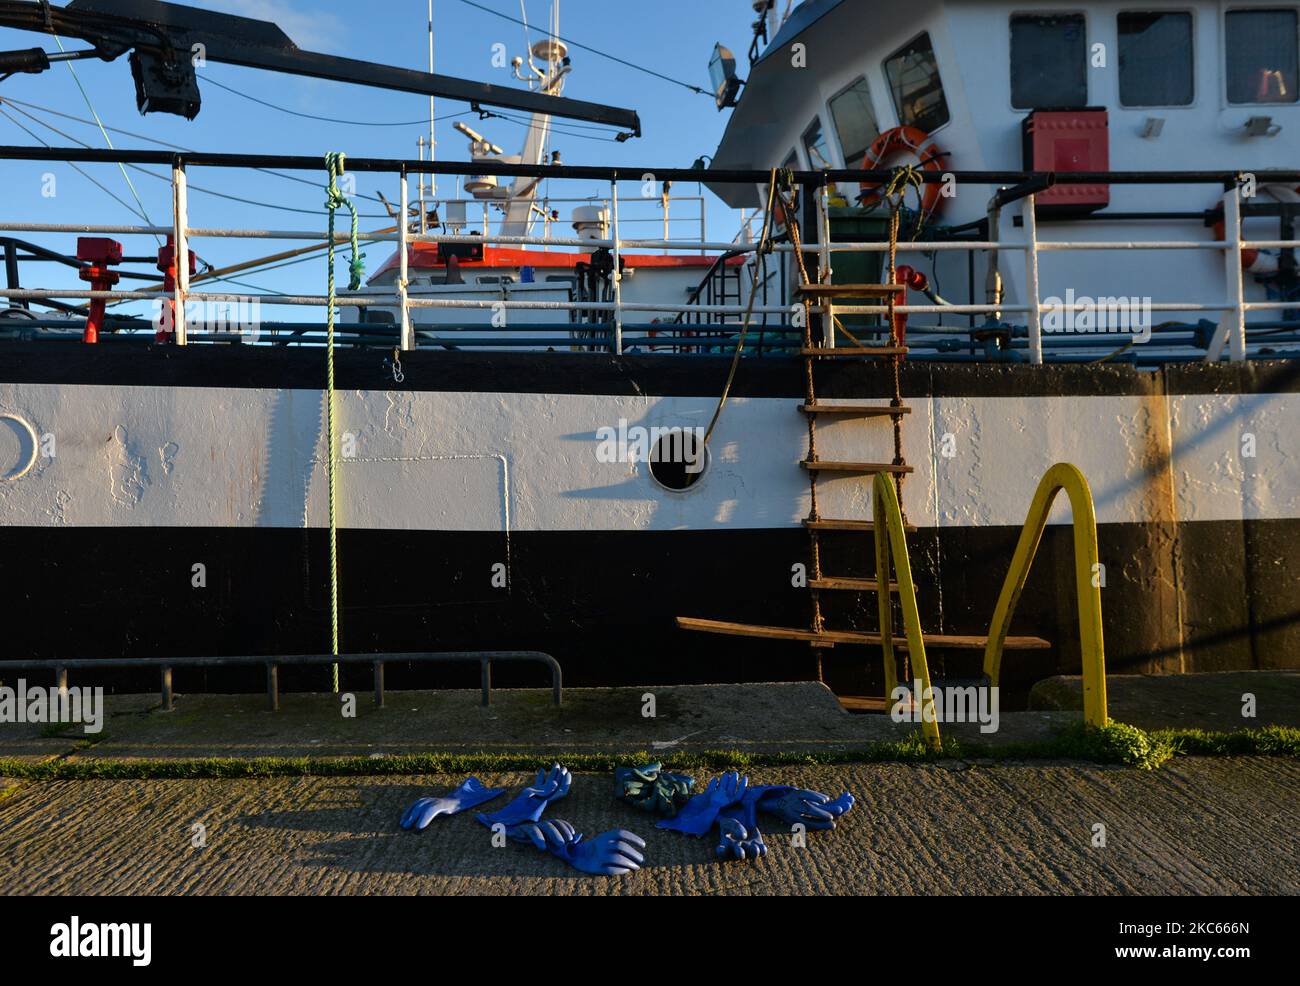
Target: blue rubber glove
x,y
736,840
812,809
612,853
470,794
528,804
697,816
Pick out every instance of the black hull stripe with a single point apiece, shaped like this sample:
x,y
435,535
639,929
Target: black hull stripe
x,y
604,603
128,363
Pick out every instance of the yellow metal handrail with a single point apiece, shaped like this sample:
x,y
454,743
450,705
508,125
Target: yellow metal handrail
x,y
889,518
1061,476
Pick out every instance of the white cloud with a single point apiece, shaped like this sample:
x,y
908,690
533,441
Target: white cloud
x,y
309,29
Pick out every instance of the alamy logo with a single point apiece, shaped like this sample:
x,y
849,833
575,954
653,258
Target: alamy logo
x,y
51,705
639,444
100,940
969,703
1101,315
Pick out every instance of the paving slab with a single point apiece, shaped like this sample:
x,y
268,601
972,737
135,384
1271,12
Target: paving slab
x,y
787,717
1198,826
1214,700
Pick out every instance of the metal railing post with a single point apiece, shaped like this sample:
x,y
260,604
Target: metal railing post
x,y
1033,315
617,274
166,689
485,680
273,687
1235,317
825,272
403,265
379,684
180,250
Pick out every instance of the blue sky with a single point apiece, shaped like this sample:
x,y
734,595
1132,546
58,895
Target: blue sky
x,y
674,37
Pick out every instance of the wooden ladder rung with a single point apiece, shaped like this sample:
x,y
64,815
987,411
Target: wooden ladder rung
x,y
868,410
849,584
848,351
871,467
937,640
832,524
849,290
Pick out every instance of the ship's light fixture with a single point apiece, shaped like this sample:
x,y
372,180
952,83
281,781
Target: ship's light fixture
x,y
722,73
1153,127
1262,126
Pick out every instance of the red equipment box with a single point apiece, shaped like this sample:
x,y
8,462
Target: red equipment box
x,y
1068,140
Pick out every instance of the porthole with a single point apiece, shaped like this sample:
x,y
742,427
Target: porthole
x,y
678,459
18,446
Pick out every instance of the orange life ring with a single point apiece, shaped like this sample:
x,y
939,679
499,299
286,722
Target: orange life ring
x,y
895,141
1250,258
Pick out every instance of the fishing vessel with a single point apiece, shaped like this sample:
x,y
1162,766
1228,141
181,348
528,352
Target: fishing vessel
x,y
980,239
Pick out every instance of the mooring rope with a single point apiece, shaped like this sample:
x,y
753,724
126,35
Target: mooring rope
x,y
334,165
749,311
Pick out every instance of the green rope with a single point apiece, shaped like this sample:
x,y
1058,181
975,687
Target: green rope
x,y
335,198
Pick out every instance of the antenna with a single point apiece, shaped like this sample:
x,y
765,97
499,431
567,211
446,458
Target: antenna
x,y
433,178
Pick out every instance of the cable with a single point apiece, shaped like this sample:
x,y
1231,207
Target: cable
x,y
595,51
107,140
163,143
330,119
118,199
193,187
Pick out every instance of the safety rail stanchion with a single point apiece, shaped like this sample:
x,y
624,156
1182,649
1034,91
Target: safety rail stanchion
x,y
180,251
403,266
1034,316
1233,328
617,275
825,273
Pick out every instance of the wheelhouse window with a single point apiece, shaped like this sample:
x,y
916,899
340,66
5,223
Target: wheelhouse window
x,y
855,122
914,84
814,142
1049,61
1155,58
1261,49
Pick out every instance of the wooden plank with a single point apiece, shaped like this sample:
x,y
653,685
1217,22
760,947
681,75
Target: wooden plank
x,y
843,352
849,290
849,584
833,524
823,465
868,410
937,640
863,703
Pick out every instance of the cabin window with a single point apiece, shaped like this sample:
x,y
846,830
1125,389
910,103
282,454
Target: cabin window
x,y
855,123
1155,58
814,142
1049,61
914,83
1261,49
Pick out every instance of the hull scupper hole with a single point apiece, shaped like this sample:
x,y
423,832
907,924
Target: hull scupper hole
x,y
678,458
18,446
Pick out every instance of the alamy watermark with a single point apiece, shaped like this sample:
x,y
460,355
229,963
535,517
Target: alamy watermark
x,y
1083,314
239,316
946,703
52,705
636,443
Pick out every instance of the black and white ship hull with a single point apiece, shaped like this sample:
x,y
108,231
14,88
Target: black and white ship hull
x,y
166,501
